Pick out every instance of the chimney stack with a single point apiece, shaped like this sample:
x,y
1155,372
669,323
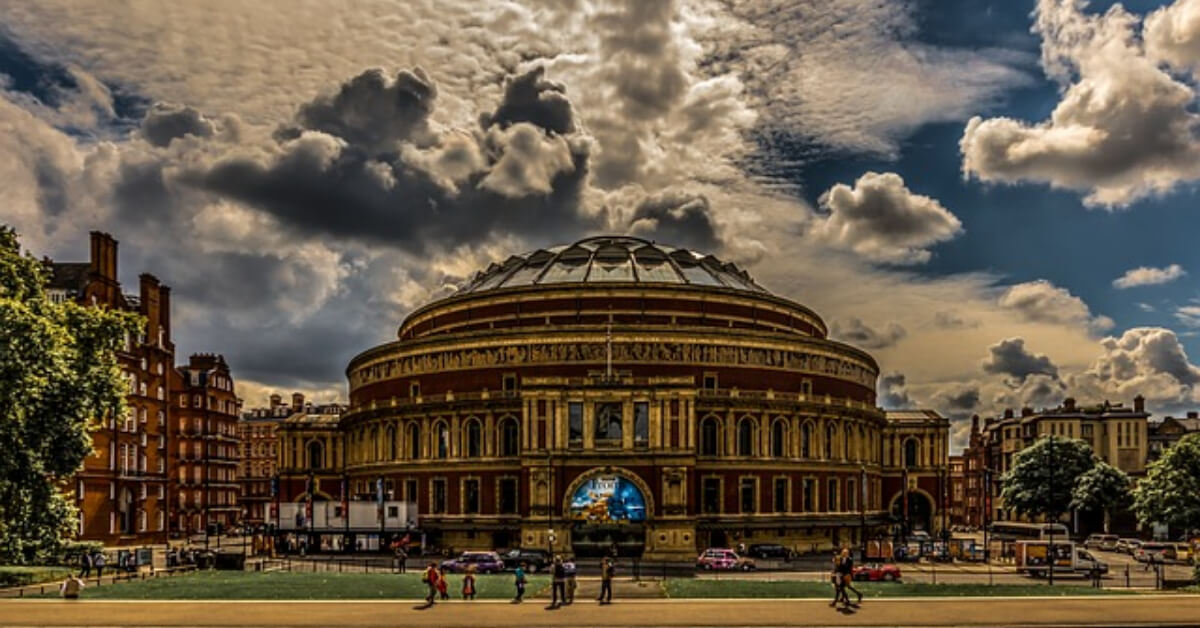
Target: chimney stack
x,y
297,402
276,401
974,423
1026,411
1193,415
1139,404
1008,413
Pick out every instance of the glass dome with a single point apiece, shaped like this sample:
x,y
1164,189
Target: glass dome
x,y
612,259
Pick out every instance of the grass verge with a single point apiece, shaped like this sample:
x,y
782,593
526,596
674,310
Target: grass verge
x,y
13,576
688,588
282,585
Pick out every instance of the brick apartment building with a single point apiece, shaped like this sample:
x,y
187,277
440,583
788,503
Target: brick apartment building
x,y
257,432
204,454
121,492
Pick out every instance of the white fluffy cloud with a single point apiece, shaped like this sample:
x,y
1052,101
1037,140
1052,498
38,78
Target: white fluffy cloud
x,y
1188,315
1042,301
1124,128
1148,276
1149,361
882,220
1173,34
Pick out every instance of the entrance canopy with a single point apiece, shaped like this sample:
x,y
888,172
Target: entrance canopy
x,y
608,499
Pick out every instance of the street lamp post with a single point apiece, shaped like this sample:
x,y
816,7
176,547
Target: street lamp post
x,y
987,512
1050,555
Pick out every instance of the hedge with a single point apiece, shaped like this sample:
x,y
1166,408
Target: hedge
x,y
12,576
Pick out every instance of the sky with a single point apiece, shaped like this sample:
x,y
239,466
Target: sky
x,y
993,197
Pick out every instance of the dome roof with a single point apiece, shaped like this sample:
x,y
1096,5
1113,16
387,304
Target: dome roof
x,y
612,259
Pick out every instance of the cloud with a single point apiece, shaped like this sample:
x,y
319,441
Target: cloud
x,y
1148,276
892,393
855,332
882,220
676,217
165,122
1042,301
1188,315
948,319
1123,130
1172,34
1149,361
1009,357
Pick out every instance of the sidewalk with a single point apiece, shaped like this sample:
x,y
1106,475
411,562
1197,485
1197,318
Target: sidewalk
x,y
1154,610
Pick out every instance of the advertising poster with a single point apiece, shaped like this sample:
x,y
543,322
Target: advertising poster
x,y
608,499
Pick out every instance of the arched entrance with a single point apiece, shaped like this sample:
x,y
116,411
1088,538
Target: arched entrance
x,y
608,511
920,511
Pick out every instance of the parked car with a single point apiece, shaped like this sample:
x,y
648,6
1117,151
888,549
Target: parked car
x,y
1150,550
723,559
536,559
1183,553
876,572
771,550
1106,542
485,562
1128,546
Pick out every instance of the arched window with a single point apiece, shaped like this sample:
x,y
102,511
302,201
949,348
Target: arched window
x,y
473,438
745,437
414,441
373,445
910,453
862,445
709,429
391,443
778,436
806,440
442,434
509,437
830,436
316,455
847,443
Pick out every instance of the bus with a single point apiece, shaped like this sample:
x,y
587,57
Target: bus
x,y
1017,531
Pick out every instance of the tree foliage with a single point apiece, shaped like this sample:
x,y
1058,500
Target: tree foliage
x,y
1103,488
59,377
1170,492
1043,476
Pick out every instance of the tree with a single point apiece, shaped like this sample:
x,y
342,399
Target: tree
x,y
1170,492
1104,488
59,377
1043,475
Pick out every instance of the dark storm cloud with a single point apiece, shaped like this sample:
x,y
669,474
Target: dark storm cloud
x,y
957,401
166,121
332,176
678,218
1009,357
893,392
858,333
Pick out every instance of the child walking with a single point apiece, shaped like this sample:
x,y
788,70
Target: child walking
x,y
468,590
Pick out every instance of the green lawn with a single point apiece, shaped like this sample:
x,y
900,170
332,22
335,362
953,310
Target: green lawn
x,y
697,588
238,585
11,576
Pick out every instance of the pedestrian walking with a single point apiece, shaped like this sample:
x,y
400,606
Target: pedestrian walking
x,y
98,562
430,579
468,589
846,571
836,580
71,588
570,570
606,577
558,587
85,564
443,585
519,582
399,558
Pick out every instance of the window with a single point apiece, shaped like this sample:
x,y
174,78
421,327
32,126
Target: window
x,y
846,438
443,439
509,435
852,495
830,435
748,494
508,496
414,389
781,494
709,431
471,497
414,441
778,439
641,423
712,495
745,437
509,384
410,490
910,453
810,495
806,440
831,499
474,438
806,387
609,423
391,443
574,424
438,496
710,381
316,455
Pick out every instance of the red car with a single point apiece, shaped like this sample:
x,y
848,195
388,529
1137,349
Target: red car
x,y
877,572
721,559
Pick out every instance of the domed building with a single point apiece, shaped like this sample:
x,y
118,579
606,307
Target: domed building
x,y
611,393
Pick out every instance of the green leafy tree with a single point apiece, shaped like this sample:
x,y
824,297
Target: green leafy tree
x,y
1043,476
1103,488
58,378
1170,492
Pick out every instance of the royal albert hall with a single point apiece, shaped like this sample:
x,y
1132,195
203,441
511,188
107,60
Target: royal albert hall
x,y
615,393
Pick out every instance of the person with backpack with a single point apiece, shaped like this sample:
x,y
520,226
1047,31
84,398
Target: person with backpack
x,y
519,582
430,579
607,570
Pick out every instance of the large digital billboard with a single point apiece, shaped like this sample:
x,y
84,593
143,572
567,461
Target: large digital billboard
x,y
608,499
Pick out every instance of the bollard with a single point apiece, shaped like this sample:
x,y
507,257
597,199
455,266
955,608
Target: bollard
x,y
1127,576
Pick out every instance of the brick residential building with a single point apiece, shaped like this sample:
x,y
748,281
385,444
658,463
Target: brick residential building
x,y
121,492
257,433
1167,432
204,453
958,482
916,444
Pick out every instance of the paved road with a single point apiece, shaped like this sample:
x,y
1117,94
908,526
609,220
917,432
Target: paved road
x,y
1141,610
